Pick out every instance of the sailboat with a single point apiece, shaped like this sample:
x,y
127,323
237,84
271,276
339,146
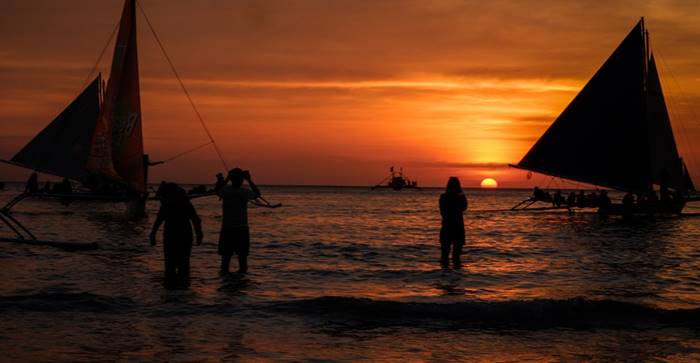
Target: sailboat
x,y
617,134
97,140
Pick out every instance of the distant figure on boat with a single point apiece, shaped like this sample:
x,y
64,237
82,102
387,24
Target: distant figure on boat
x,y
641,200
592,199
628,204
179,216
652,198
581,199
32,185
2,185
571,200
235,233
666,199
47,187
453,204
220,182
540,195
604,202
66,187
558,200
199,189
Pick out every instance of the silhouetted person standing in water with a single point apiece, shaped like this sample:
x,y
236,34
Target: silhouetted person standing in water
x,y
179,215
235,234
453,203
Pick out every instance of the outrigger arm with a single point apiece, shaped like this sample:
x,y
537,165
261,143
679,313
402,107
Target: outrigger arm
x,y
18,228
23,235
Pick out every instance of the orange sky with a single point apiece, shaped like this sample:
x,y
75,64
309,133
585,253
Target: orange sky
x,y
335,92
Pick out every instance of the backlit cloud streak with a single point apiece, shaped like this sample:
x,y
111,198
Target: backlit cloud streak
x,y
337,91
464,85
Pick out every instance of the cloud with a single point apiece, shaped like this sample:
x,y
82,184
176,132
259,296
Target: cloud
x,y
461,85
472,165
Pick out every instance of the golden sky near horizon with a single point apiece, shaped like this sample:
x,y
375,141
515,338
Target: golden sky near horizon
x,y
336,92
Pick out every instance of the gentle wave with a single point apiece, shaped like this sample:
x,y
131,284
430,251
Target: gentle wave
x,y
65,301
528,314
518,313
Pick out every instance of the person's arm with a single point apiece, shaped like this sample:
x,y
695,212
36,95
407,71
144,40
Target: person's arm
x,y
156,225
443,207
253,187
466,203
197,223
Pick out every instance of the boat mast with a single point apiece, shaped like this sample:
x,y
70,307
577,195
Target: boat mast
x,y
645,99
647,55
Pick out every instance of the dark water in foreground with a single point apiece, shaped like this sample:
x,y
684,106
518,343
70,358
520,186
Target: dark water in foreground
x,y
351,275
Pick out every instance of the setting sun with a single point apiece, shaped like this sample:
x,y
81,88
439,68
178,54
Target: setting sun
x,y
489,183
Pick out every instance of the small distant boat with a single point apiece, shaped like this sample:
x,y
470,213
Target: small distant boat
x,y
617,134
2,185
397,181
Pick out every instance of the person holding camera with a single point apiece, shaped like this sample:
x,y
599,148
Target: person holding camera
x,y
235,234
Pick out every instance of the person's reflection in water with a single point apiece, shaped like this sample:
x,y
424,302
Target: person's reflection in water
x,y
179,215
453,203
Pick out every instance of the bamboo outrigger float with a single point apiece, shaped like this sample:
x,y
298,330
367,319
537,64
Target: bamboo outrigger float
x,y
617,134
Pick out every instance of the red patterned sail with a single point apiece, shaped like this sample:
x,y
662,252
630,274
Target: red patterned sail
x,y
117,145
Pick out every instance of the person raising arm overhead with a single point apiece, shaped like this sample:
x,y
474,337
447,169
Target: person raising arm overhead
x,y
235,233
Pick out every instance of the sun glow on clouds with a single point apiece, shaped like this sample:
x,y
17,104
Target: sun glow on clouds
x,y
294,90
465,84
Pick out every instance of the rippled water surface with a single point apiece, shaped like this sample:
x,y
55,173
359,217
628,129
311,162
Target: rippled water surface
x,y
347,274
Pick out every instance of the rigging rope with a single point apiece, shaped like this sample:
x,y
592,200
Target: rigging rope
x,y
99,59
684,130
184,89
187,152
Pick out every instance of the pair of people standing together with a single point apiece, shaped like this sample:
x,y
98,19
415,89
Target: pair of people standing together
x,y
179,216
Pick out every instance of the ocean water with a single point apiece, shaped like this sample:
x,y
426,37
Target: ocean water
x,y
346,274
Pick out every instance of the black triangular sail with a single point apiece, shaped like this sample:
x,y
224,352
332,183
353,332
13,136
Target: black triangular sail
x,y
688,184
598,138
665,164
62,147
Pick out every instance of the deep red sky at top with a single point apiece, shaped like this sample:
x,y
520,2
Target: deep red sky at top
x,y
335,92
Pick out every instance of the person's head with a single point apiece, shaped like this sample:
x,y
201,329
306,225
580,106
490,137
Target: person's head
x,y
173,193
236,177
453,186
219,176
